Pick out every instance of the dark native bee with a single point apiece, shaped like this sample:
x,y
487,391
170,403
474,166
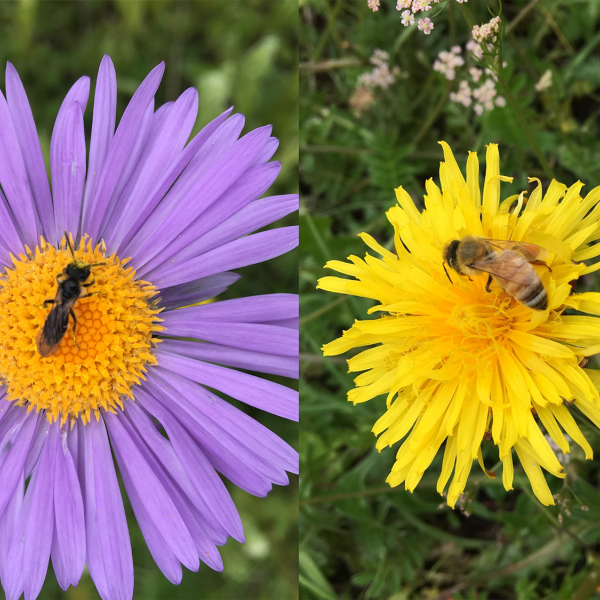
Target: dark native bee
x,y
71,287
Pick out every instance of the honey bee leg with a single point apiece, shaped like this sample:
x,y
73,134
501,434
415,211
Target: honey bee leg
x,y
448,276
487,285
73,328
93,294
542,263
92,282
50,301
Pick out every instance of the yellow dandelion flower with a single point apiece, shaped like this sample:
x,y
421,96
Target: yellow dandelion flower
x,y
462,361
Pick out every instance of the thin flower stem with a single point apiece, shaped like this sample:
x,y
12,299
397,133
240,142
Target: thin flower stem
x,y
433,115
321,311
466,15
520,16
589,586
514,105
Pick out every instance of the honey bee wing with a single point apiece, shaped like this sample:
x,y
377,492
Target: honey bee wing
x,y
530,252
505,266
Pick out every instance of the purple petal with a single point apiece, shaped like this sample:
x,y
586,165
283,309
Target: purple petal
x,y
107,538
169,140
287,366
14,416
155,447
36,449
222,451
163,450
155,500
103,124
250,218
9,236
11,469
13,178
250,309
246,336
253,185
198,468
132,161
39,524
58,564
31,150
249,250
267,152
189,400
257,392
176,172
164,557
168,221
119,151
198,290
289,323
68,503
11,571
67,160
79,92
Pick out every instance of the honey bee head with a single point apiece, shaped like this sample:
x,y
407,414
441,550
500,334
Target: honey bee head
x,y
450,255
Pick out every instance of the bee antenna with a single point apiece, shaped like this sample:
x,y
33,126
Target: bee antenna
x,y
69,244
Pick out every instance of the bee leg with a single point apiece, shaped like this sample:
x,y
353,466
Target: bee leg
x,y
542,263
92,282
448,276
487,285
49,301
93,294
73,328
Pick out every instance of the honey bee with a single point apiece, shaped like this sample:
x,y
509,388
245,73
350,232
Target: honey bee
x,y
508,263
70,288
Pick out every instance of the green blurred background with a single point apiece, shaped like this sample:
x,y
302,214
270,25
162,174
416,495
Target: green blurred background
x,y
359,538
236,52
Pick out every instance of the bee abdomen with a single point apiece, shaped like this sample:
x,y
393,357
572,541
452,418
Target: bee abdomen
x,y
534,296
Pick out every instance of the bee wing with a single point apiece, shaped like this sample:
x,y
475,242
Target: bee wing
x,y
52,332
44,348
506,266
530,252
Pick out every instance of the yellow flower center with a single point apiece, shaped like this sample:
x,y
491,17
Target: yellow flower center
x,y
93,369
487,321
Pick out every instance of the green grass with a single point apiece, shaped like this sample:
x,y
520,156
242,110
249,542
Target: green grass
x,y
358,537
237,52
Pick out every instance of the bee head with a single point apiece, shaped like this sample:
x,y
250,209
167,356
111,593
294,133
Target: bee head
x,y
79,270
450,252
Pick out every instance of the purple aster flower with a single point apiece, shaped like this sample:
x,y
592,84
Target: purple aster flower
x,y
167,221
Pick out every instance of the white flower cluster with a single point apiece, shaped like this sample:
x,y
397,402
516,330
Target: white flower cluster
x,y
373,5
486,32
545,81
473,47
410,8
381,76
485,95
447,62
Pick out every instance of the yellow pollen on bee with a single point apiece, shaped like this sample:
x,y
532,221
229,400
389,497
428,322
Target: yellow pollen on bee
x,y
114,334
